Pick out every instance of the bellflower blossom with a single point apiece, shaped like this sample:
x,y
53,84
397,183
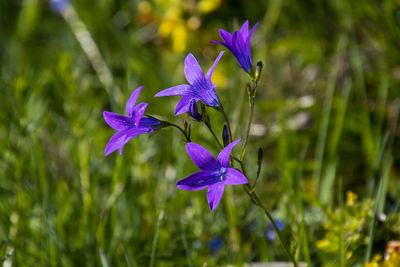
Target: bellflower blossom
x,y
129,126
214,174
200,87
239,44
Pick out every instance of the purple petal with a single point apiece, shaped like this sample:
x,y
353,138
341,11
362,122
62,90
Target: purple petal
x,y
130,105
223,156
209,97
119,139
149,122
235,177
183,105
194,74
214,194
116,121
222,43
139,111
211,70
201,157
226,36
244,30
251,32
241,53
197,181
248,43
115,142
182,89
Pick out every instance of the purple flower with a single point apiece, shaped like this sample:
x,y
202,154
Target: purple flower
x,y
129,126
239,44
200,87
214,174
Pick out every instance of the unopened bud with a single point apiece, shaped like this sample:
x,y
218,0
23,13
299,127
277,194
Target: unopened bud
x,y
189,131
258,71
260,156
225,135
249,90
194,112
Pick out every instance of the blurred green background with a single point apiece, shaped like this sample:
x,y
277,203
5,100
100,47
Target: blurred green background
x,y
326,115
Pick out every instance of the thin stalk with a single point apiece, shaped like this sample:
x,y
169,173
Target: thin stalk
x,y
258,175
180,129
212,132
227,123
246,138
155,239
256,200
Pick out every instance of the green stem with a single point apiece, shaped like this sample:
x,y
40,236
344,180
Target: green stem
x,y
176,126
251,95
253,196
212,132
227,122
257,201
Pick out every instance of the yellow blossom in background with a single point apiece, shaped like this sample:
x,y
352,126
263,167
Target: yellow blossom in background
x,y
323,243
392,261
179,18
169,21
206,6
219,78
351,198
179,38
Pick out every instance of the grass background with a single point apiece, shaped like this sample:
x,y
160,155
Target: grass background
x,y
327,108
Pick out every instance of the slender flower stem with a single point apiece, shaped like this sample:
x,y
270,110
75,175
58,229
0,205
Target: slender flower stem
x,y
177,126
254,198
227,123
251,96
216,138
258,202
258,175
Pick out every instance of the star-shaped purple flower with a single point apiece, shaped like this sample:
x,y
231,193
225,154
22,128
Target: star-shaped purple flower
x,y
129,126
214,174
239,44
200,87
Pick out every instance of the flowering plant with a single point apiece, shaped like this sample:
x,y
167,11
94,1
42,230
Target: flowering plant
x,y
214,174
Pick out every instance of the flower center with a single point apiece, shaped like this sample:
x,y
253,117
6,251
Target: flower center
x,y
222,173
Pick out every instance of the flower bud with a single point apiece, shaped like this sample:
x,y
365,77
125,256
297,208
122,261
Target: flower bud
x,y
260,156
185,125
249,90
225,136
194,112
258,71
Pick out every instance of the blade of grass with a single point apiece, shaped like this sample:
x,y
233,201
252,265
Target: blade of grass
x,y
155,239
380,197
103,259
186,246
298,188
323,130
341,250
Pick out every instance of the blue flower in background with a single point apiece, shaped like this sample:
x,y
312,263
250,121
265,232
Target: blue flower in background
x,y
129,126
270,231
58,6
216,245
239,44
200,87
